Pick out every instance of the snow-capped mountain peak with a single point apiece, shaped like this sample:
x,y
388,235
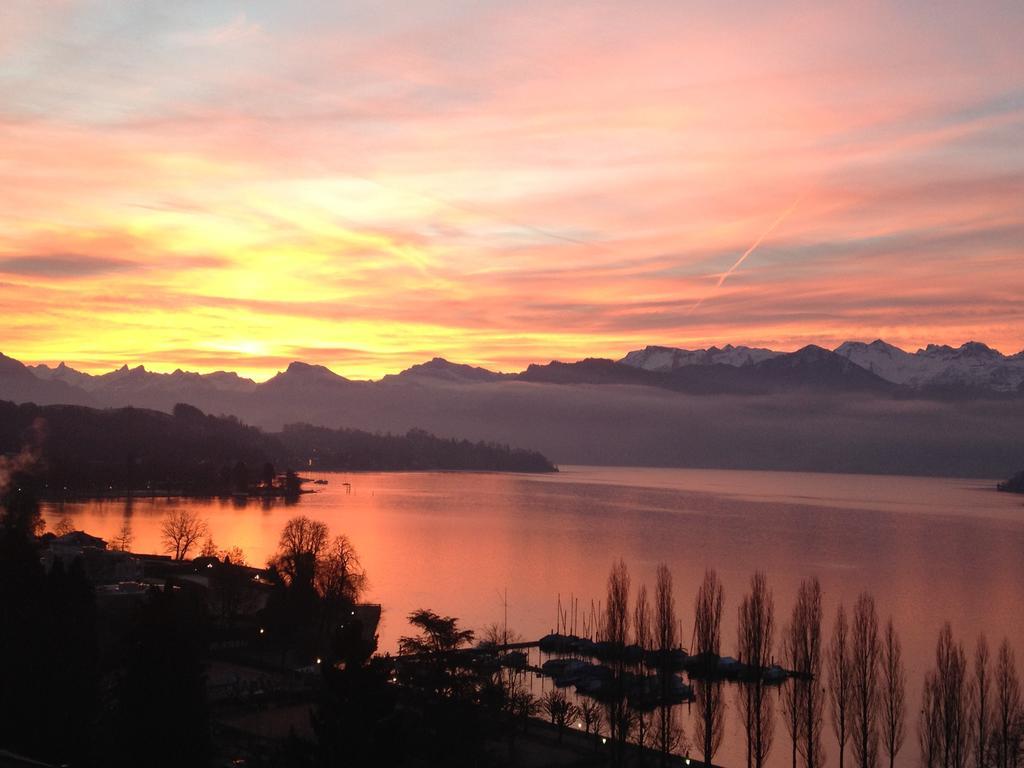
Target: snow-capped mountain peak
x,y
972,365
655,358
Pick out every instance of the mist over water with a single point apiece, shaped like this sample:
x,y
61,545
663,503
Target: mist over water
x,y
930,550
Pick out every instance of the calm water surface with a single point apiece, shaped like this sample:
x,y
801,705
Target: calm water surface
x,y
930,550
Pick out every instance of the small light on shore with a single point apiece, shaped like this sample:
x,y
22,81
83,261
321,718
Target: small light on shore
x,y
317,659
261,630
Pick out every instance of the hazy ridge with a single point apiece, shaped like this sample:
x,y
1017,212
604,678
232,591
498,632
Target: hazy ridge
x,y
813,409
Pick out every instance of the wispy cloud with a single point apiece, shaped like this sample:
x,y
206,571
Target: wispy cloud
x,y
61,265
368,184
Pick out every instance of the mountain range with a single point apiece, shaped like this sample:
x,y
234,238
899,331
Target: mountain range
x,y
861,407
972,369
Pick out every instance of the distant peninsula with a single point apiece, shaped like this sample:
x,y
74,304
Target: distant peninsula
x,y
1014,485
81,451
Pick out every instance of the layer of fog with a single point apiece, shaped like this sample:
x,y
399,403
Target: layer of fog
x,y
624,425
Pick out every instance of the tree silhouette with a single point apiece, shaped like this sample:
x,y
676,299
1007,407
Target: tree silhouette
x,y
616,635
302,542
840,680
709,728
181,529
123,541
982,703
755,634
865,659
556,705
665,737
1008,708
792,693
894,689
438,634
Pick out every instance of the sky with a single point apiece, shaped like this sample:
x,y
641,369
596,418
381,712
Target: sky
x,y
235,185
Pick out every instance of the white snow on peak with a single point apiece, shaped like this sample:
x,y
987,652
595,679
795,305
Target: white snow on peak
x,y
971,365
669,358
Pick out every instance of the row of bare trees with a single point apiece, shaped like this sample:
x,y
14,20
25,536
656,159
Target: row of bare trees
x,y
970,715
652,628
969,719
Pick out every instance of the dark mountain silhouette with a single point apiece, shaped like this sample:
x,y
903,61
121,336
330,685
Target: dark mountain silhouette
x,y
816,368
591,371
811,368
440,369
304,375
84,450
18,383
87,449
806,410
351,449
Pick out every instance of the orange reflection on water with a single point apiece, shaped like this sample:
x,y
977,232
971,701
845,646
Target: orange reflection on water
x,y
929,549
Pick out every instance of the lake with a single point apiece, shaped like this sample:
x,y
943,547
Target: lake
x,y
929,549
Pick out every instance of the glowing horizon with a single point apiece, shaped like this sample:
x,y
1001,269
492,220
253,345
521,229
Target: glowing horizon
x,y
233,186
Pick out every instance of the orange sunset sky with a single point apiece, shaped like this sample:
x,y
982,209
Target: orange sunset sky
x,y
214,185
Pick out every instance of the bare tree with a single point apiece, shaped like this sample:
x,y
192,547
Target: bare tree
x,y
792,693
929,727
339,575
894,693
181,529
523,705
801,649
64,526
809,600
123,541
590,714
235,556
1008,709
955,695
557,706
616,625
865,659
642,637
755,636
840,680
666,736
302,542
642,619
982,704
641,723
616,634
709,728
708,615
665,611
209,548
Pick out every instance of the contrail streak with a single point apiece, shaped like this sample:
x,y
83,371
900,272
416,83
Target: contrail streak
x,y
747,252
